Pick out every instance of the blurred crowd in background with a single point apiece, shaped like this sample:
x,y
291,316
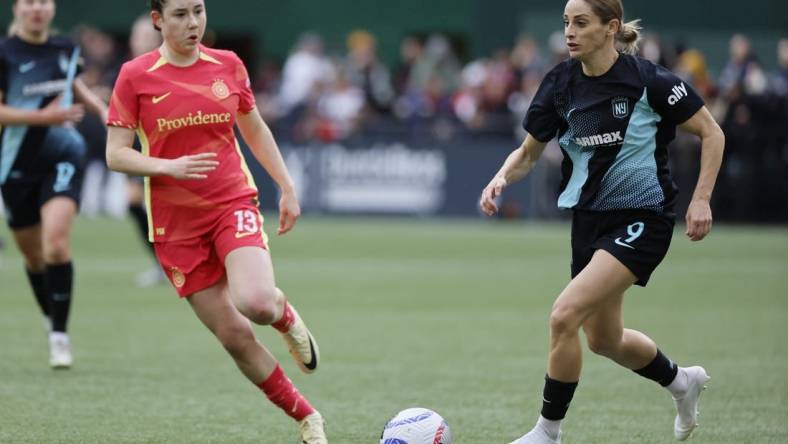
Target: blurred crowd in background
x,y
430,95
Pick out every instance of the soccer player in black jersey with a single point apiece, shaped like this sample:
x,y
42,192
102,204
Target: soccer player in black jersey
x,y
614,115
41,157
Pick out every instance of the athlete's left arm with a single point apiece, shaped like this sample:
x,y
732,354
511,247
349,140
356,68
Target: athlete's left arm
x,y
260,140
92,102
699,217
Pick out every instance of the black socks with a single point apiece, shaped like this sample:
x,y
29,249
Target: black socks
x,y
37,281
59,281
557,396
661,370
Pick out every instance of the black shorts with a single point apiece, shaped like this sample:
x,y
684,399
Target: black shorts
x,y
59,175
639,239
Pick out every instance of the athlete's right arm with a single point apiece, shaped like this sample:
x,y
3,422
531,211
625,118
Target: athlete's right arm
x,y
516,167
121,157
50,115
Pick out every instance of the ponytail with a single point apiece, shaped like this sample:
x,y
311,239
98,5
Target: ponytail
x,y
629,36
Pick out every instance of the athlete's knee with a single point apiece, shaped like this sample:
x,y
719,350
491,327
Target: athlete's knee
x,y
260,304
565,318
56,247
236,338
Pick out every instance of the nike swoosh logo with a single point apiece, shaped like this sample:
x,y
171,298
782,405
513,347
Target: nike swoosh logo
x,y
312,364
25,67
160,98
620,242
240,235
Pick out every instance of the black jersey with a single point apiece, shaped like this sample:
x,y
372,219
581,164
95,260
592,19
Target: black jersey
x,y
31,76
613,130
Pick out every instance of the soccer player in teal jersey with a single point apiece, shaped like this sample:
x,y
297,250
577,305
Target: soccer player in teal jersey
x,y
614,115
41,157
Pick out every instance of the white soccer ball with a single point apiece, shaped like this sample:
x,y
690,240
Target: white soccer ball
x,y
416,426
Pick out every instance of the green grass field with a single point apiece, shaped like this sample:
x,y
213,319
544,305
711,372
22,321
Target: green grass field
x,y
449,315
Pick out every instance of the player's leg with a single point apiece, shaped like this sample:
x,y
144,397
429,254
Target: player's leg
x,y
242,245
57,216
215,309
607,337
639,241
28,240
600,282
59,198
250,276
594,287
637,352
253,290
24,220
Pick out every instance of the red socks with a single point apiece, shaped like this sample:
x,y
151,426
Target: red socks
x,y
283,325
278,387
281,391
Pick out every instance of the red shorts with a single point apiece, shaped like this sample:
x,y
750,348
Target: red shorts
x,y
195,264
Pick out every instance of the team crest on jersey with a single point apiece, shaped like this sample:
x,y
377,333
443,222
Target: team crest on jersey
x,y
620,107
220,89
178,278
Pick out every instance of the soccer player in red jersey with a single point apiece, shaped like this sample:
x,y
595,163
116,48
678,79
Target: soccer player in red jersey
x,y
183,101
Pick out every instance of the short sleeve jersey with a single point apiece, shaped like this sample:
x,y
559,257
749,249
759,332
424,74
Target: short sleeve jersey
x,y
614,130
31,77
178,111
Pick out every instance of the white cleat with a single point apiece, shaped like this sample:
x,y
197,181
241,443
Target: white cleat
x,y
537,436
312,429
687,405
59,351
302,345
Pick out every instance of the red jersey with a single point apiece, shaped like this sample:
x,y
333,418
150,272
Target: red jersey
x,y
178,111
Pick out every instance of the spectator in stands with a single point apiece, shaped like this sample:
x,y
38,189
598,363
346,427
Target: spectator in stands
x,y
437,60
266,82
433,78
364,70
526,56
780,77
741,62
305,71
410,51
339,110
482,102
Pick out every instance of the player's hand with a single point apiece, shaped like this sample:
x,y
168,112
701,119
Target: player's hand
x,y
195,166
698,219
289,211
54,115
490,193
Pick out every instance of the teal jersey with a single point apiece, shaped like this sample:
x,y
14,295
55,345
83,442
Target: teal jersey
x,y
31,76
614,130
